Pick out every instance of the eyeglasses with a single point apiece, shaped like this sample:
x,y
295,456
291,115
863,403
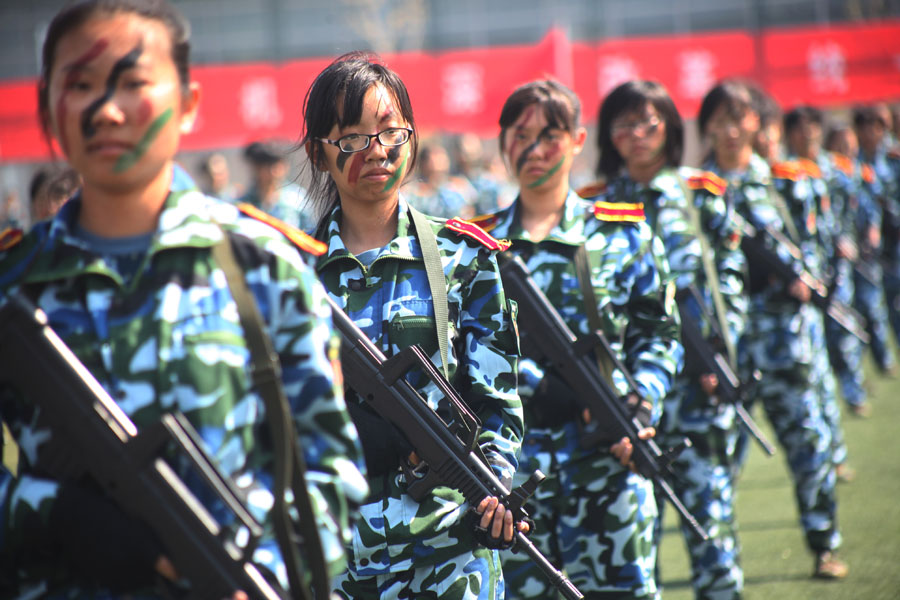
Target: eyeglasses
x,y
643,127
357,142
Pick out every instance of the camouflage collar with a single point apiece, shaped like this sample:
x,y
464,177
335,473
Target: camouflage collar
x,y
757,172
570,229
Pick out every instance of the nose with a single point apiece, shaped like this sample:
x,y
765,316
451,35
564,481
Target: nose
x,y
375,150
104,111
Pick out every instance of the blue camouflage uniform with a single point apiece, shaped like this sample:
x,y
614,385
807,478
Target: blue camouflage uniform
x,y
594,517
778,342
290,205
454,197
161,333
402,548
703,471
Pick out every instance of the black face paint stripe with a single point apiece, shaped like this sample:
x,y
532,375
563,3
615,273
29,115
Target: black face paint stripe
x,y
393,154
341,159
524,156
126,62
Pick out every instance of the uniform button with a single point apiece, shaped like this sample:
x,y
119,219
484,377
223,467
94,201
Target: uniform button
x,y
120,394
356,285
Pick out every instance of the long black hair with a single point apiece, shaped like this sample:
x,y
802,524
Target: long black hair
x,y
633,96
336,98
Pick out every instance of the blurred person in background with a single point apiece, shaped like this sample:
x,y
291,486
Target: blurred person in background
x,y
470,162
269,189
777,340
435,191
12,214
215,178
49,188
640,142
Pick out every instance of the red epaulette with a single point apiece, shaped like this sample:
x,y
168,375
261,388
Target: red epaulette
x,y
868,173
708,181
591,190
842,163
486,222
302,240
810,168
469,229
619,211
9,237
787,170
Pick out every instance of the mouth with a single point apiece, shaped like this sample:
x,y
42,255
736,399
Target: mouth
x,y
108,147
377,174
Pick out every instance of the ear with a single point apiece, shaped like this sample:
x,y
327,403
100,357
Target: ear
x,y
190,105
313,153
580,137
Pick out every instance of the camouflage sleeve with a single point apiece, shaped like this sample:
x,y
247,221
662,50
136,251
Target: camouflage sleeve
x,y
491,349
308,349
653,352
730,262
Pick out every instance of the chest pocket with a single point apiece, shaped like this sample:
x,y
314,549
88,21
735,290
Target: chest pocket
x,y
414,324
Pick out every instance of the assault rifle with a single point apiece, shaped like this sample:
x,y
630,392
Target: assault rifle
x,y
758,244
546,338
702,357
449,453
94,439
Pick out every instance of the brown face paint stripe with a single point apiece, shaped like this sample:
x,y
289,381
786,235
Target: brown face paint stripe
x,y
126,62
129,158
396,176
73,71
543,178
356,167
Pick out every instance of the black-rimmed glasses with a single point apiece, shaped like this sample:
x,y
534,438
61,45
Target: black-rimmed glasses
x,y
357,142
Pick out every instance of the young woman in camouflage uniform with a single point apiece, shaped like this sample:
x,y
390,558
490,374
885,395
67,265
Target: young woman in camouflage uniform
x,y
778,338
593,516
127,279
361,143
641,139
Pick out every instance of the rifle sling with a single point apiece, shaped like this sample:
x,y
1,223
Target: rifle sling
x,y
583,274
437,282
289,465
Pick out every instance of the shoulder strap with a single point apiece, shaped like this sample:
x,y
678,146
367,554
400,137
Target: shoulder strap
x,y
783,211
290,467
436,281
583,274
712,275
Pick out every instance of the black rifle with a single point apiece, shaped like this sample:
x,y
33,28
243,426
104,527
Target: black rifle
x,y
449,453
546,338
758,246
94,439
702,357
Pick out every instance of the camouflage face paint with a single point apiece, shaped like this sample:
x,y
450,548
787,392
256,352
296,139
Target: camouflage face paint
x,y
72,73
397,176
128,159
144,112
520,162
546,176
342,159
356,166
126,62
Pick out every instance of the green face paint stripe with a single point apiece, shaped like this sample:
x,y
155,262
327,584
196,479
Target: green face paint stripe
x,y
128,159
543,178
396,176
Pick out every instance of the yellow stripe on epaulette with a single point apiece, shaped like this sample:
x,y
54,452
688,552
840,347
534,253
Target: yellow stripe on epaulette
x,y
9,237
868,173
787,170
486,222
302,240
619,211
708,181
591,190
475,232
842,163
810,168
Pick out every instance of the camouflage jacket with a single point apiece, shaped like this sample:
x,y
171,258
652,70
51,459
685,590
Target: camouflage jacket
x,y
756,191
290,207
885,170
390,301
627,273
170,339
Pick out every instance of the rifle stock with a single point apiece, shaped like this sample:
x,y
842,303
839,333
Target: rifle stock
x,y
93,438
449,453
550,341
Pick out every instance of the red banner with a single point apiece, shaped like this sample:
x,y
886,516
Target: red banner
x,y
463,90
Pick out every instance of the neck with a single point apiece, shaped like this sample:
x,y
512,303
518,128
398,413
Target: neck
x,y
541,210
645,173
737,161
365,226
117,213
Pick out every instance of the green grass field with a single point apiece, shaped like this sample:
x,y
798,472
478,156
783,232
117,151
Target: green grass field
x,y
775,559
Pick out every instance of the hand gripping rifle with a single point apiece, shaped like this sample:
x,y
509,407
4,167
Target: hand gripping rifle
x,y
548,339
93,438
758,244
702,357
450,455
